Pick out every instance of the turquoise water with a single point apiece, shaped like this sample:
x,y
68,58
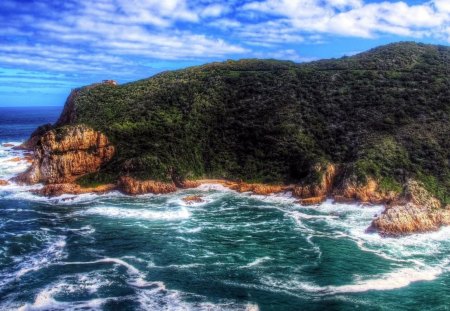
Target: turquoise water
x,y
232,252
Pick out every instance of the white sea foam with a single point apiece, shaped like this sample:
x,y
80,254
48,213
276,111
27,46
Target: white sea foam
x,y
140,214
52,252
393,280
258,261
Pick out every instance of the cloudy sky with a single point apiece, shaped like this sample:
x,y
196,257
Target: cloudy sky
x,y
48,47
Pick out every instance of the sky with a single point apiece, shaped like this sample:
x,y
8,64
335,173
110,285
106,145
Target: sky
x,y
48,47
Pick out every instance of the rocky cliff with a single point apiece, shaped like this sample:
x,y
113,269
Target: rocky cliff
x,y
62,155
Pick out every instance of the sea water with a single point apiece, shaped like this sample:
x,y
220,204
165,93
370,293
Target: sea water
x,y
232,252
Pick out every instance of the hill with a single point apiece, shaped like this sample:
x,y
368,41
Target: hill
x,y
379,119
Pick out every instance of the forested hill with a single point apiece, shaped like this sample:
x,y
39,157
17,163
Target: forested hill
x,y
382,114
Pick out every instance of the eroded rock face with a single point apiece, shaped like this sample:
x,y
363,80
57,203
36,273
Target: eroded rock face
x,y
311,194
52,190
368,192
414,212
64,154
129,185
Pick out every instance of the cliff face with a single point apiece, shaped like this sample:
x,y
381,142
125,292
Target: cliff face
x,y
414,212
64,154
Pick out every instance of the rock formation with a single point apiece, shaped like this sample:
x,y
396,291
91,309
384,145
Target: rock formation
x,y
193,199
129,185
368,192
3,182
317,191
415,211
52,190
64,154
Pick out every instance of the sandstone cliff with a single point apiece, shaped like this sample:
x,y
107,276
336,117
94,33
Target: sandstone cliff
x,y
415,211
64,154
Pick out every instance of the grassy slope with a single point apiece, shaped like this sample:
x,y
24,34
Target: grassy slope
x,y
383,113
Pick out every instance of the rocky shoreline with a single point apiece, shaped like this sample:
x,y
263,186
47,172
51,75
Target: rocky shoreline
x,y
63,155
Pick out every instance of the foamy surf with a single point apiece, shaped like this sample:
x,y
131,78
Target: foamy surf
x,y
138,214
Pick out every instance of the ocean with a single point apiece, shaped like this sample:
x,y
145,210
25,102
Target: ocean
x,y
232,252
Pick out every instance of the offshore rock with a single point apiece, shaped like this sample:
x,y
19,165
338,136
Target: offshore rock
x,y
3,182
130,185
193,199
64,154
415,211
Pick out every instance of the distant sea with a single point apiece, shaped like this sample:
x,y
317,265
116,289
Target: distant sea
x,y
232,252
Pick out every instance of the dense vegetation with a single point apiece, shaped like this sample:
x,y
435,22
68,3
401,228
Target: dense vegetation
x,y
383,113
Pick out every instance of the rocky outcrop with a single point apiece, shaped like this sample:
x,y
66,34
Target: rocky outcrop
x,y
130,185
369,192
52,190
261,189
3,182
317,191
191,199
64,154
414,212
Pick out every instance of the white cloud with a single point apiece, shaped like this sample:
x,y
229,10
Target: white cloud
x,y
359,19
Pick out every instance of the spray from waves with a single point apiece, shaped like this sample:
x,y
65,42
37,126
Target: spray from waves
x,y
150,295
141,214
52,252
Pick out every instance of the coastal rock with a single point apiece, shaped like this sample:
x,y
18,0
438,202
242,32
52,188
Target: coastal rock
x,y
261,189
16,159
129,185
193,199
8,145
368,192
3,182
52,190
64,154
312,200
316,192
415,211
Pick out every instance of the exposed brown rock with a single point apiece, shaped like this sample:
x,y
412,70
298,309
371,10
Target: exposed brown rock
x,y
312,200
16,159
3,182
261,189
129,185
67,153
415,211
52,190
8,145
368,192
189,184
193,199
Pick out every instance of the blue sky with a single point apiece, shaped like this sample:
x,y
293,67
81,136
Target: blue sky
x,y
48,47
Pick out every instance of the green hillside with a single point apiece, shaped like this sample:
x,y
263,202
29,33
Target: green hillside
x,y
384,113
